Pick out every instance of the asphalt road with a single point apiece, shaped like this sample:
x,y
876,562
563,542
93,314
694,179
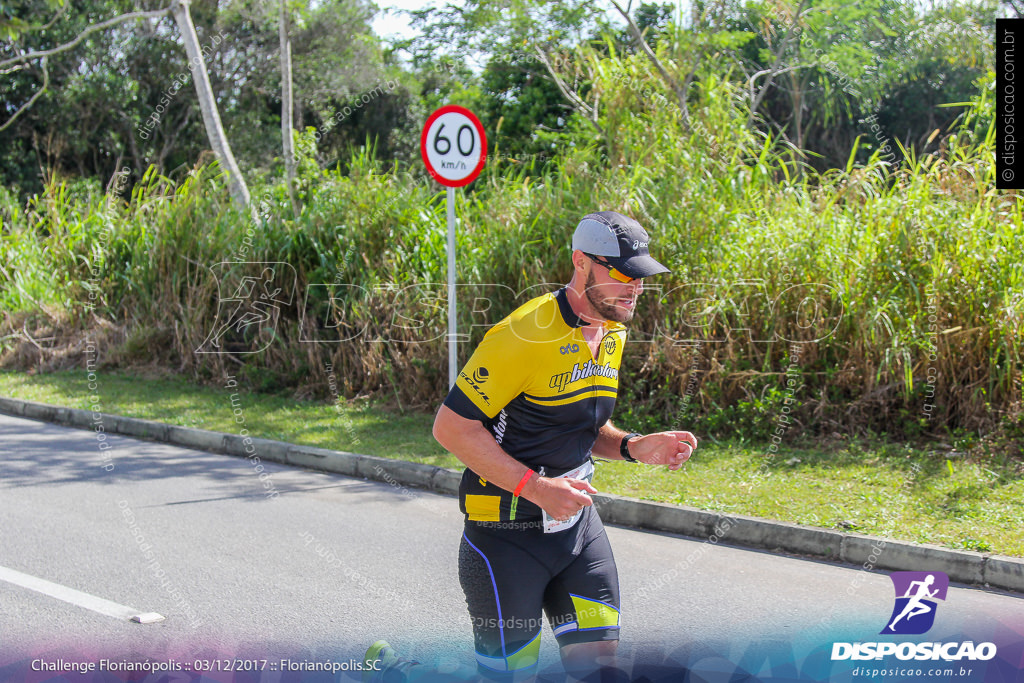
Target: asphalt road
x,y
313,567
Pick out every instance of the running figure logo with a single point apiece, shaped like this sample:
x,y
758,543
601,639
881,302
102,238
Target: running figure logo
x,y
916,592
249,305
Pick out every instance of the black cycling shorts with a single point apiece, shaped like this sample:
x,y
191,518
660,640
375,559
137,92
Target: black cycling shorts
x,y
511,571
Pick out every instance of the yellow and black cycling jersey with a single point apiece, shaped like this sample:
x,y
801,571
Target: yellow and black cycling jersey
x,y
534,383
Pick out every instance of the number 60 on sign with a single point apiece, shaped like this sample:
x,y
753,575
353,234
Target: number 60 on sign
x,y
454,146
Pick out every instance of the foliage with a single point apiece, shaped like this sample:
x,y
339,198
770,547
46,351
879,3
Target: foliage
x,y
880,72
898,293
895,281
18,17
125,97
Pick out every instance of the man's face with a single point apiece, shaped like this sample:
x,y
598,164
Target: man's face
x,y
611,299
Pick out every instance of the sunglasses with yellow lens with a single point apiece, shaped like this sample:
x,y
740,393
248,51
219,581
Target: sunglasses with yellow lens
x,y
615,274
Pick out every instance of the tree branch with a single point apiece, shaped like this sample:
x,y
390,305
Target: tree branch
x,y
82,36
51,22
775,67
634,30
23,108
778,72
590,113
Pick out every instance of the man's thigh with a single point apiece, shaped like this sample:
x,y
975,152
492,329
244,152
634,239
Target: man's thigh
x,y
504,588
582,600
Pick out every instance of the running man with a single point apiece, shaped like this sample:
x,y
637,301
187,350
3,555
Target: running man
x,y
915,606
526,415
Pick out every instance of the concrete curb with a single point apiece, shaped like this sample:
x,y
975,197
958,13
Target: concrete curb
x,y
994,571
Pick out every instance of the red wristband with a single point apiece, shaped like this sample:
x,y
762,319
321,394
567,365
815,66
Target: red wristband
x,y
522,482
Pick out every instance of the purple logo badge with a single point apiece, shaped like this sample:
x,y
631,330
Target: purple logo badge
x,y
916,593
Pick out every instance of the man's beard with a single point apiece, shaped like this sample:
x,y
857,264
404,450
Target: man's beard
x,y
603,309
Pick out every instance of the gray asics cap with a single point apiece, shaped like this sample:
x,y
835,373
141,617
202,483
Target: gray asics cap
x,y
620,240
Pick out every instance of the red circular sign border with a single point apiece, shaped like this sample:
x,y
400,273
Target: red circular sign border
x,y
447,109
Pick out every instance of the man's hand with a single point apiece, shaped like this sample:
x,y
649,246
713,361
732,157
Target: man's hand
x,y
664,448
561,497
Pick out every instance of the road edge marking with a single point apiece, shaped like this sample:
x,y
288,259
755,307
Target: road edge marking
x,y
77,597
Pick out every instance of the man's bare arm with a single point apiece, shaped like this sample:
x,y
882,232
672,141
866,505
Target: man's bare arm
x,y
608,440
662,448
469,441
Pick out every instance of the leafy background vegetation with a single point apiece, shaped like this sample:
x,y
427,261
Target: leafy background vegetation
x,y
801,170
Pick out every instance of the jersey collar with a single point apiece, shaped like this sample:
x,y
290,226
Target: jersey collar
x,y
568,315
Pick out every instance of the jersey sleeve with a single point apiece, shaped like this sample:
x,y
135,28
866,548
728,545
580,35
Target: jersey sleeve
x,y
497,372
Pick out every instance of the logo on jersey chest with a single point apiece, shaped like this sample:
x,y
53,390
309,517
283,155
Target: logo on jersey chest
x,y
578,372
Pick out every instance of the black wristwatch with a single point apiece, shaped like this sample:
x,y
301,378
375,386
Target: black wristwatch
x,y
624,447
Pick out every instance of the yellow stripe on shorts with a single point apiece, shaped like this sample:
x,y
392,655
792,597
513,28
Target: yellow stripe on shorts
x,y
483,508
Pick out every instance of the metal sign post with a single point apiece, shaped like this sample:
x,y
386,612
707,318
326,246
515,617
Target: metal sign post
x,y
453,342
454,148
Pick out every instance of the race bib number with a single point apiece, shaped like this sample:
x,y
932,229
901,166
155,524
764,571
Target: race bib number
x,y
584,472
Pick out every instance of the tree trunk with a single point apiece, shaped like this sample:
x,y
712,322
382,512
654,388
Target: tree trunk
x,y
286,105
799,88
777,68
208,105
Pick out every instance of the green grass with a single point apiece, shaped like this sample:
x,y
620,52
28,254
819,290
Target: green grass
x,y
355,426
876,488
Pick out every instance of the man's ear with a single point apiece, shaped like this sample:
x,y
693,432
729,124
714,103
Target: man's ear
x,y
579,261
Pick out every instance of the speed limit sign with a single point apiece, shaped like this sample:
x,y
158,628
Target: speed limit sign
x,y
454,146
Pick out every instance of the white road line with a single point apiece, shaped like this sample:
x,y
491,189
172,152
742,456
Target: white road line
x,y
90,602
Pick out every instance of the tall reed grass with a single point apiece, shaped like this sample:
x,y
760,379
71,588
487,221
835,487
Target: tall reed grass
x,y
903,286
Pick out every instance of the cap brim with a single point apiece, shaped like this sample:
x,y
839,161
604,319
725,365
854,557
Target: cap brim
x,y
641,265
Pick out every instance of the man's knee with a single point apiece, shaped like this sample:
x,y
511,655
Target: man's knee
x,y
592,662
589,651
